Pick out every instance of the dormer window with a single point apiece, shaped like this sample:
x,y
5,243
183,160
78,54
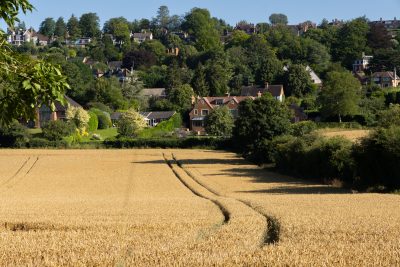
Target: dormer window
x,y
219,102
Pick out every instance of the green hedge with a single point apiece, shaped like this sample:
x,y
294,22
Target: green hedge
x,y
377,160
193,142
316,158
44,143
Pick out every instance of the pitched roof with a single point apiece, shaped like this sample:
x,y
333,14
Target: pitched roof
x,y
157,92
158,114
275,90
114,64
41,37
385,74
314,76
142,35
70,102
216,101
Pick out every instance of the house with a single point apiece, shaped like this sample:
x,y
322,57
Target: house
x,y
302,28
386,79
174,51
19,37
256,91
41,40
248,28
182,35
154,92
140,37
44,113
362,64
83,42
313,76
152,118
392,26
114,65
202,106
155,117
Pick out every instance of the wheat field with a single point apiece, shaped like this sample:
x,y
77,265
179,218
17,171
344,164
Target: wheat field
x,y
182,208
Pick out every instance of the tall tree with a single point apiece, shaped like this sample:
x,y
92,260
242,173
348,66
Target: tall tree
x,y
162,18
340,95
89,25
378,37
119,28
297,81
47,27
260,120
199,82
181,97
219,122
278,18
199,24
25,82
61,28
73,27
351,42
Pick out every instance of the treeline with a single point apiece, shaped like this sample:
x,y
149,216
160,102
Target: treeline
x,y
263,134
214,59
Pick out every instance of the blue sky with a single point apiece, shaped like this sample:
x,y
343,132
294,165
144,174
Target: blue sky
x,y
230,10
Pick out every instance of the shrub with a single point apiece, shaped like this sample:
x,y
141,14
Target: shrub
x,y
219,122
44,143
303,128
316,158
93,123
56,130
103,117
263,118
131,123
193,142
390,116
377,158
79,117
14,135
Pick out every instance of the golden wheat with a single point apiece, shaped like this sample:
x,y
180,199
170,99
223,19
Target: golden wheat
x,y
129,208
320,225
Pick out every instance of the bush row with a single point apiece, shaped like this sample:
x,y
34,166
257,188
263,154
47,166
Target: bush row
x,y
192,142
372,163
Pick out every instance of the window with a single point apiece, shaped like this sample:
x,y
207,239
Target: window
x,y
219,101
204,112
196,112
197,124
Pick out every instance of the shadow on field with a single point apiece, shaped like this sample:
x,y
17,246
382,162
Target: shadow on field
x,y
284,184
235,161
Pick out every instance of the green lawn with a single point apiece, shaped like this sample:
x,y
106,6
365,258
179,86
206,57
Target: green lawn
x,y
106,133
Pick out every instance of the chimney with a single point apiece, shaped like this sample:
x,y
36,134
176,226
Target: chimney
x,y
259,94
193,100
266,85
228,94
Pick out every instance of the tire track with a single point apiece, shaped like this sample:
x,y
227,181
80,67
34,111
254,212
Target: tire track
x,y
273,227
197,192
245,228
15,174
25,169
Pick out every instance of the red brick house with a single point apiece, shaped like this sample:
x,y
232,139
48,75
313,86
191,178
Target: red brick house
x,y
44,113
202,106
